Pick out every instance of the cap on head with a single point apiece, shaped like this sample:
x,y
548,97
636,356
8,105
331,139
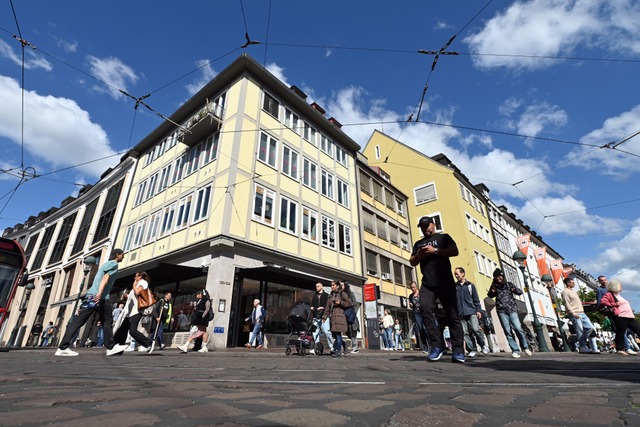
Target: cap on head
x,y
497,272
426,220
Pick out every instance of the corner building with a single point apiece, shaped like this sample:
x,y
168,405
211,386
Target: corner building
x,y
250,193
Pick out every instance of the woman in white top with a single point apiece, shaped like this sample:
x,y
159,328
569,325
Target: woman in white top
x,y
140,284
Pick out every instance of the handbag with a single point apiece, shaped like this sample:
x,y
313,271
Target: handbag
x,y
606,310
145,299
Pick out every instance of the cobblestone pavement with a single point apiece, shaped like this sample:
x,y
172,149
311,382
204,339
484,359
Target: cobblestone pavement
x,y
241,387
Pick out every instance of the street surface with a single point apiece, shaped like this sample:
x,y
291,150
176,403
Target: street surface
x,y
242,387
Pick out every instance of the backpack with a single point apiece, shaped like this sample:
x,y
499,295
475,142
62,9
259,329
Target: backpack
x,y
350,314
210,314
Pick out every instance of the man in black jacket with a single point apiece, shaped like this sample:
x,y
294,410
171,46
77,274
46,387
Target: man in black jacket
x,y
162,315
318,304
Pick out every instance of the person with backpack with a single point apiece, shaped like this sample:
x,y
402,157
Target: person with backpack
x,y
47,335
470,312
257,318
202,315
337,302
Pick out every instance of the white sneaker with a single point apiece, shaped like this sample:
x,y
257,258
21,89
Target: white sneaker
x,y
204,349
527,352
472,354
312,351
143,348
515,355
631,352
485,350
117,349
66,352
130,348
184,348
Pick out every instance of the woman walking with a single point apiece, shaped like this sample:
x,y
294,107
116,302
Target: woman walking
x,y
199,322
623,317
140,285
336,303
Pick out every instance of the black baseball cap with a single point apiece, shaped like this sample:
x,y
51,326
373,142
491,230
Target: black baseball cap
x,y
426,220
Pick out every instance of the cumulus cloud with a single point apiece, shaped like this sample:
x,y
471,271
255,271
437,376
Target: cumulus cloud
x,y
115,73
206,74
32,59
554,28
60,135
615,163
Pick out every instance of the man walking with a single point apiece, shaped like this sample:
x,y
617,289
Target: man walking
x,y
96,301
318,304
507,309
575,311
470,312
257,320
162,315
432,252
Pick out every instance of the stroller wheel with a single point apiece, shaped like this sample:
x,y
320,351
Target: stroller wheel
x,y
303,352
319,349
287,350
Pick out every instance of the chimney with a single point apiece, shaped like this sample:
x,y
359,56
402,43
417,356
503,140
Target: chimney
x,y
298,92
315,106
335,122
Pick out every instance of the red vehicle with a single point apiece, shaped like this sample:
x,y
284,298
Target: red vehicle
x,y
13,273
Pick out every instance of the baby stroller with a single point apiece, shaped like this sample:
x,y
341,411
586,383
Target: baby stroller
x,y
301,328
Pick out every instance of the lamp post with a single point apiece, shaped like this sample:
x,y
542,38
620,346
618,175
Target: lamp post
x,y
548,282
88,263
520,258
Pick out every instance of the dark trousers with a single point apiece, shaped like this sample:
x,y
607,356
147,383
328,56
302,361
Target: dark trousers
x,y
622,323
136,334
102,311
447,297
160,326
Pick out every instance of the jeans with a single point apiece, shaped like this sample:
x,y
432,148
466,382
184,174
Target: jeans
x,y
160,327
447,296
255,333
388,337
421,331
104,310
337,342
508,321
470,325
583,327
399,343
325,328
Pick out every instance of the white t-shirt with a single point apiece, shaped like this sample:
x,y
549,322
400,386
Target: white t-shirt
x,y
132,302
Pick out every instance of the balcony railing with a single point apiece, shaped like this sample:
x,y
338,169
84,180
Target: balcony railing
x,y
203,123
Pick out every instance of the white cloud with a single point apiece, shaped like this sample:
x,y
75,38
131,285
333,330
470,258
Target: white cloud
x,y
114,73
277,71
65,45
555,28
60,135
607,161
206,74
531,119
32,60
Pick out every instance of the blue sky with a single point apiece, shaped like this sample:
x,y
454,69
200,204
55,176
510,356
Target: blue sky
x,y
536,91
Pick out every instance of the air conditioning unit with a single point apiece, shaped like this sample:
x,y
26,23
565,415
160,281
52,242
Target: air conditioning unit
x,y
386,276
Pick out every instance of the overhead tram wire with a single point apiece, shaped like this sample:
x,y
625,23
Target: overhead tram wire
x,y
23,44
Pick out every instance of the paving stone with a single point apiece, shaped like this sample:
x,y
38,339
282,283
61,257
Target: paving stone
x,y
210,410
575,414
570,399
486,399
434,415
304,418
39,416
402,396
123,419
266,402
239,395
357,405
133,405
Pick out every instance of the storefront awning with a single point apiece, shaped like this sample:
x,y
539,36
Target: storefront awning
x,y
159,272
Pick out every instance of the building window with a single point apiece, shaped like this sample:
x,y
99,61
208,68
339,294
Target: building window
x,y
400,207
290,162
167,219
210,149
263,205
63,238
385,268
368,219
128,237
270,105
372,263
309,224
382,228
343,193
425,193
164,178
310,174
178,169
377,191
154,224
140,195
291,120
377,152
341,156
203,197
309,133
288,215
267,152
151,191
42,249
327,184
365,182
397,273
139,234
103,229
393,235
184,209
344,239
326,146
85,225
404,240
328,232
